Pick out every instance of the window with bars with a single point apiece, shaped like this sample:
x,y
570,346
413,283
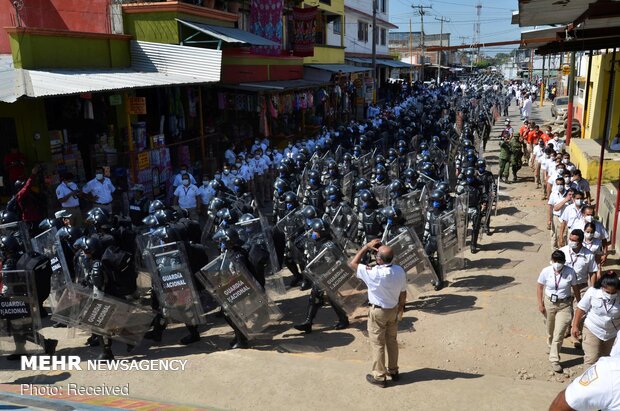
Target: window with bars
x,y
383,36
338,25
362,31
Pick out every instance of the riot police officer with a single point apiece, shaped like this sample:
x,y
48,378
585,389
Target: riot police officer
x,y
312,193
319,237
473,188
489,189
436,207
370,218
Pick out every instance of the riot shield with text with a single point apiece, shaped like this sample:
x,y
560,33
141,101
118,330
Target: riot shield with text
x,y
174,284
331,272
20,318
103,315
344,226
230,283
294,229
257,239
48,244
413,213
448,252
347,186
409,254
19,230
461,205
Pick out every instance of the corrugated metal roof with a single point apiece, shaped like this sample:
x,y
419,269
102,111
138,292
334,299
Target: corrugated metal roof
x,y
229,34
392,63
380,62
334,68
541,12
278,85
154,65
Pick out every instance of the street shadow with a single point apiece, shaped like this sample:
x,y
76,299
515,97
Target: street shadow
x,y
42,379
571,351
320,340
12,407
511,245
572,362
511,211
503,198
491,263
432,374
445,304
520,228
484,282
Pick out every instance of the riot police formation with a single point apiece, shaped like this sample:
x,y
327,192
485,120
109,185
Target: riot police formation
x,y
417,168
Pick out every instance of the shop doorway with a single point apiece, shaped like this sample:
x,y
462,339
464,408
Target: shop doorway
x,y
8,139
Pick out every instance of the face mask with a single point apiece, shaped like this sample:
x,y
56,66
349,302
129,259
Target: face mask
x,y
99,176
481,170
566,187
561,189
560,170
390,221
589,236
566,180
218,176
469,180
574,244
314,236
556,138
185,182
547,156
205,182
565,161
289,206
183,171
557,266
608,295
238,165
333,197
578,202
257,157
226,172
234,172
588,218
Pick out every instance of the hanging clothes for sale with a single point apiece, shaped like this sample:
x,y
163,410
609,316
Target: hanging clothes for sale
x,y
304,23
266,22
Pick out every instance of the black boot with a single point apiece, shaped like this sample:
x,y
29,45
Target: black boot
x,y
305,284
159,325
192,337
295,281
49,345
306,326
92,341
240,342
106,354
343,319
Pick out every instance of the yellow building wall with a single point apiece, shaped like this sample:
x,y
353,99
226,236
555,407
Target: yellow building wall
x,y
326,55
585,154
600,77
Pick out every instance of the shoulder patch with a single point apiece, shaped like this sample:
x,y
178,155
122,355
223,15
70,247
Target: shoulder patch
x,y
589,376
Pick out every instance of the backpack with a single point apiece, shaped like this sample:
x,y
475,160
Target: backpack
x,y
41,267
120,270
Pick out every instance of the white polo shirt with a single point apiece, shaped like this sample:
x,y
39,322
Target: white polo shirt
x,y
206,194
598,388
102,189
385,283
571,215
65,189
599,229
582,262
187,195
558,284
603,313
178,180
555,198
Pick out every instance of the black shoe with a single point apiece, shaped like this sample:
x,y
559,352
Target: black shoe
x,y
16,356
473,249
130,347
488,232
59,325
153,335
438,285
233,342
341,325
241,344
514,179
49,345
305,327
305,285
190,338
106,356
374,381
395,376
295,282
92,341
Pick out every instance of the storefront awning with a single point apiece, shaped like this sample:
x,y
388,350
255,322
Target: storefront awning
x,y
380,62
335,68
277,85
153,65
227,34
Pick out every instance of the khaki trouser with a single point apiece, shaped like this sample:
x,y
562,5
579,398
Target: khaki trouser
x,y
382,329
558,320
555,232
593,348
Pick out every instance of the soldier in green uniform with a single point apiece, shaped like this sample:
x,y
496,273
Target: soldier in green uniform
x,y
504,157
516,155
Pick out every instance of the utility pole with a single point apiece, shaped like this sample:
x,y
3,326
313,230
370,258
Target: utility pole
x,y
410,54
477,29
421,11
374,50
442,20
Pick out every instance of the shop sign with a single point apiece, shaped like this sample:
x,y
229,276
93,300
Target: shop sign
x,y
144,160
116,100
137,105
566,69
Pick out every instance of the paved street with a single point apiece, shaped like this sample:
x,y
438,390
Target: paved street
x,y
478,344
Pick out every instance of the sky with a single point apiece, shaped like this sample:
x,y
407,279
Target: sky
x,y
494,20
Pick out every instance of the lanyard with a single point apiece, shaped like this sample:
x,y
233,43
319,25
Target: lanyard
x,y
557,278
186,190
605,301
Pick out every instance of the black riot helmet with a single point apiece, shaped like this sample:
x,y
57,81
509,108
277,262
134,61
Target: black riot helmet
x,y
357,151
435,141
411,175
93,246
428,169
331,165
443,186
156,205
9,244
98,218
361,184
309,212
164,216
216,205
227,238
482,165
166,234
217,185
246,217
314,178
347,158
379,160
291,201
283,170
226,217
150,221
319,228
367,198
396,188
392,215
48,223
70,234
437,199
333,193
280,186
423,146
380,173
470,175
392,154
8,217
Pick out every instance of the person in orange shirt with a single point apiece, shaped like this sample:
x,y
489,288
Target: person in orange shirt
x,y
524,129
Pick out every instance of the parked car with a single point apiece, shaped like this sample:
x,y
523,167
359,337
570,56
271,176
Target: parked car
x,y
559,106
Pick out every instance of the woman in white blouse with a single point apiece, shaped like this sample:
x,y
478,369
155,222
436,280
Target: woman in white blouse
x,y
557,283
591,242
601,303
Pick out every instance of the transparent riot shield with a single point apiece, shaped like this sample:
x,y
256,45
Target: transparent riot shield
x,y
338,153
344,228
461,206
257,238
48,244
448,253
365,165
413,213
103,315
174,284
20,318
382,194
331,272
409,254
411,160
19,230
347,185
230,283
394,170
294,229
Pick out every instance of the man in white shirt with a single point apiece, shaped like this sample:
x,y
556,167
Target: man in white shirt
x,y
570,215
581,184
182,172
205,194
229,155
387,293
185,197
580,258
598,388
527,108
557,196
99,190
68,195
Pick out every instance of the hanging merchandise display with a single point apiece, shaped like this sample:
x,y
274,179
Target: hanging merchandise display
x,y
266,22
304,29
